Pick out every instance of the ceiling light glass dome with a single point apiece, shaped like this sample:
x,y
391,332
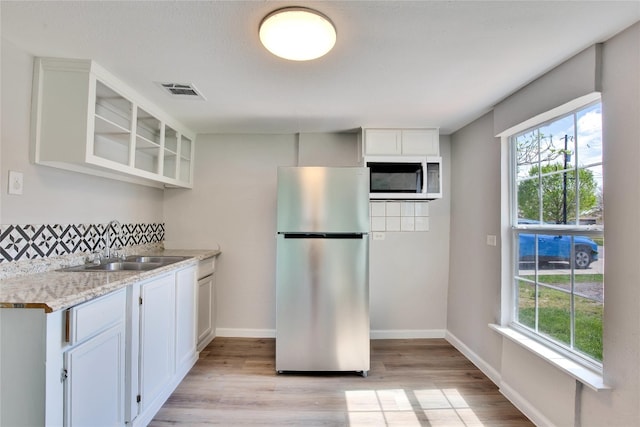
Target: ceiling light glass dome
x,y
297,33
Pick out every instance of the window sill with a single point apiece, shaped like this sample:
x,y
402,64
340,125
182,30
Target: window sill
x,y
591,379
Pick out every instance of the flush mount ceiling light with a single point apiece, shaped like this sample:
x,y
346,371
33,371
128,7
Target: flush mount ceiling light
x,y
297,33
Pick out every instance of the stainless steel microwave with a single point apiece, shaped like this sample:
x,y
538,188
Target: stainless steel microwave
x,y
404,177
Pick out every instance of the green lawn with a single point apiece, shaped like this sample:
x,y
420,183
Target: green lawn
x,y
558,279
553,316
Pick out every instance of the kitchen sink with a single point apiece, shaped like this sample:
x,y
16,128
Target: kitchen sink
x,y
130,263
115,266
154,259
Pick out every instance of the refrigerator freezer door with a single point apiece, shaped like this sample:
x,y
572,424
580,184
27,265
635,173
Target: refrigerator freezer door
x,y
322,295
318,199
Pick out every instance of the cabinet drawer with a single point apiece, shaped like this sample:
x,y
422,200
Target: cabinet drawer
x,y
206,267
90,318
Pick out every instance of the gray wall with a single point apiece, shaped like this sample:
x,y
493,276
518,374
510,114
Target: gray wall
x,y
233,205
474,274
542,391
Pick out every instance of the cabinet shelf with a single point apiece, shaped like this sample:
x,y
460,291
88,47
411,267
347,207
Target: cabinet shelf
x,y
106,126
144,143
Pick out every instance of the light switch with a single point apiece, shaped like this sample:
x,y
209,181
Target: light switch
x,y
15,182
491,240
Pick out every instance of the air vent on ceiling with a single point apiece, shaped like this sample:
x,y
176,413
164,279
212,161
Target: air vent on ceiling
x,y
182,90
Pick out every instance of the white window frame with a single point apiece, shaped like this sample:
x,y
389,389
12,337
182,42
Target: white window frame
x,y
510,235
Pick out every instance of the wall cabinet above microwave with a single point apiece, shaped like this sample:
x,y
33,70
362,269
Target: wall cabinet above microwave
x,y
401,142
86,120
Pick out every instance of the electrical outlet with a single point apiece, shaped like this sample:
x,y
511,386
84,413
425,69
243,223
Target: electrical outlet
x,y
378,235
491,240
15,182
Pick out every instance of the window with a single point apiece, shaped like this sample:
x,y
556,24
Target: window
x,y
557,233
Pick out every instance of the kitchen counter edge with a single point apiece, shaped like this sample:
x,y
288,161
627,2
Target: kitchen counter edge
x,y
58,290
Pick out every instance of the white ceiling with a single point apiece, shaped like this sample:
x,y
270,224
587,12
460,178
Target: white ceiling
x,y
395,64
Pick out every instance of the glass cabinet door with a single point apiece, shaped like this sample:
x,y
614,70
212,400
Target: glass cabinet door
x,y
170,152
112,125
185,159
148,136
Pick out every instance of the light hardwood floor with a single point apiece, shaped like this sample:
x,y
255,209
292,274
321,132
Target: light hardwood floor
x,y
423,382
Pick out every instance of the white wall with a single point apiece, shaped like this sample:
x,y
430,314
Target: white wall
x,y
546,394
233,204
55,196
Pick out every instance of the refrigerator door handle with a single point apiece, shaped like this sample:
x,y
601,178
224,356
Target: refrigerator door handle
x,y
323,235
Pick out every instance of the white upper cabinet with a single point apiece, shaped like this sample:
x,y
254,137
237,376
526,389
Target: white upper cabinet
x,y
386,142
382,142
86,120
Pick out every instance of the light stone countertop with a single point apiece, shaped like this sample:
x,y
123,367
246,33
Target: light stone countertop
x,y
58,290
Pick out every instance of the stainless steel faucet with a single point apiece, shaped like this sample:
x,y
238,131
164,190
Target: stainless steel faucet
x,y
116,225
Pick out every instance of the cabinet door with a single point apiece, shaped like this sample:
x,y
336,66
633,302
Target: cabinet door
x,y
170,159
185,161
381,142
94,389
186,319
112,128
157,332
420,141
206,314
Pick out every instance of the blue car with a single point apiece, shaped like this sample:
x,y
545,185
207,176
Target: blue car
x,y
557,248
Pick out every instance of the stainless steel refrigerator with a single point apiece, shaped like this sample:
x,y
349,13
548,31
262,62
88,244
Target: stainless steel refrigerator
x,y
322,274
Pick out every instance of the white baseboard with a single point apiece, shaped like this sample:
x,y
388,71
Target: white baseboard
x,y
525,406
245,333
494,375
374,334
488,370
394,334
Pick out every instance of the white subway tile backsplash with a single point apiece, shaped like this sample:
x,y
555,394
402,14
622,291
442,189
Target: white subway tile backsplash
x,y
408,209
407,223
393,208
399,215
393,223
377,209
378,223
421,209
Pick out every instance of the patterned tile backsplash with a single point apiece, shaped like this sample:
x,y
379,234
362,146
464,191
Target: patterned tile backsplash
x,y
21,242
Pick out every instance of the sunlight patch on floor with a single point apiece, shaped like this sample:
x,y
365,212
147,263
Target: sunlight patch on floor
x,y
442,408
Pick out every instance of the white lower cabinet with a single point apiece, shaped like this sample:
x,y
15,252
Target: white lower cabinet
x,y
206,302
186,320
157,338
111,361
66,367
94,388
206,311
162,341
94,372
